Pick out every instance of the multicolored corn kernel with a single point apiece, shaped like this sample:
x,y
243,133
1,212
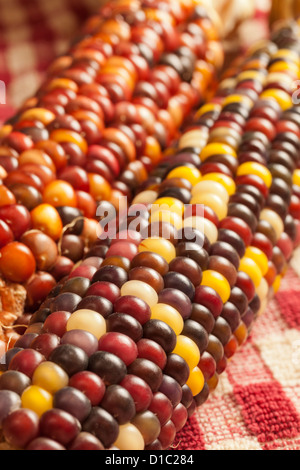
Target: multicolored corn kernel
x,y
99,124
191,325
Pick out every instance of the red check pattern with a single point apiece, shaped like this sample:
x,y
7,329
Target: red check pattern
x,y
32,34
256,405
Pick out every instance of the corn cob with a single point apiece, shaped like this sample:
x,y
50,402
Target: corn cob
x,y
120,359
94,130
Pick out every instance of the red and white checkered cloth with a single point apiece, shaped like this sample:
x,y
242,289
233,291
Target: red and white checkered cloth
x,y
256,405
32,34
257,402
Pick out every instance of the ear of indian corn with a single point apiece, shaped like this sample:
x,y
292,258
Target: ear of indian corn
x,y
94,130
122,357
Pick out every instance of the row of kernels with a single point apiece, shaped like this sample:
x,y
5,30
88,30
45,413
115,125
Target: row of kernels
x,y
213,291
67,117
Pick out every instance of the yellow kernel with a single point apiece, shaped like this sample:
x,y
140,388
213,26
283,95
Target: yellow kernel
x,y
194,138
168,203
167,216
50,377
282,66
195,381
287,54
141,290
218,282
46,218
259,257
274,219
193,175
206,186
225,180
251,74
277,283
37,399
213,201
158,245
129,438
235,98
66,135
207,108
5,130
63,83
87,320
169,315
188,350
194,142
281,97
250,267
145,197
254,168
216,148
296,177
203,225
227,83
39,114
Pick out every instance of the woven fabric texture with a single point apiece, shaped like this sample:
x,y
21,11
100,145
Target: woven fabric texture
x,y
256,405
257,402
32,34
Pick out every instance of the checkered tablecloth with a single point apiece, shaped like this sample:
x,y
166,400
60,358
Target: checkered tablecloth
x,y
257,402
32,34
256,405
